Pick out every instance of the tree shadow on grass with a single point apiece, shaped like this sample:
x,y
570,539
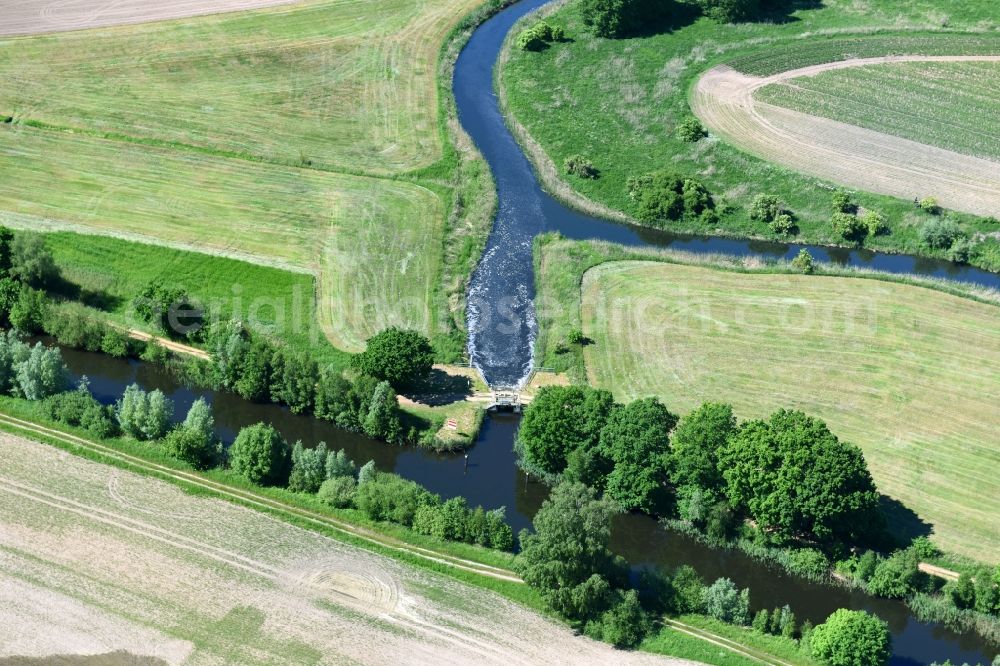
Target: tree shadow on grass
x,y
904,525
440,388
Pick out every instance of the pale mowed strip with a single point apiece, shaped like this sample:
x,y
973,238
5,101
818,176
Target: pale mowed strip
x,y
909,374
725,101
227,583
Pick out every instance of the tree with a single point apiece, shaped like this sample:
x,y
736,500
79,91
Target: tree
x,y
730,11
293,379
783,223
6,250
229,343
143,415
567,559
619,18
560,420
626,623
399,357
391,497
169,308
695,444
260,454
795,477
939,234
662,196
308,468
851,638
896,577
194,440
13,351
963,595
725,602
636,440
333,395
690,130
41,373
31,262
764,208
200,420
875,223
688,590
338,491
848,226
337,464
987,594
761,621
367,472
382,421
30,310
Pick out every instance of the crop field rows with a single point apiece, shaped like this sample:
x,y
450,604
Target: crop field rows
x,y
943,104
115,561
906,373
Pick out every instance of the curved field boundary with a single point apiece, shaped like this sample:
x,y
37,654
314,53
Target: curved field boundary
x,y
853,156
28,18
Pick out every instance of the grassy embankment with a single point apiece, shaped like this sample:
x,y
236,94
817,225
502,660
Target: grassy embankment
x,y
618,102
907,373
313,136
948,105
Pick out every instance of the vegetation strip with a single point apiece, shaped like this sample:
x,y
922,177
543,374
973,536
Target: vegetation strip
x,y
264,502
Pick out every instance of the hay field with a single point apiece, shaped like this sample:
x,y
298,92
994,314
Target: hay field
x,y
909,374
945,104
95,559
335,83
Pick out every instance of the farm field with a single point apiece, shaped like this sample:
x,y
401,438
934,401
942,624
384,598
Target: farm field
x,y
945,104
94,559
907,373
860,155
619,101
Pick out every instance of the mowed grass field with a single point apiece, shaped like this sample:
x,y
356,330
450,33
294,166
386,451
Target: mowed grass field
x,y
339,84
948,105
619,101
909,374
370,242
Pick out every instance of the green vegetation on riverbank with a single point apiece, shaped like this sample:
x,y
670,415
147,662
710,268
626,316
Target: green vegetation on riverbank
x,y
619,103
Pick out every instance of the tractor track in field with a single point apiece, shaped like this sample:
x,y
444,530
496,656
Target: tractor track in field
x,y
723,99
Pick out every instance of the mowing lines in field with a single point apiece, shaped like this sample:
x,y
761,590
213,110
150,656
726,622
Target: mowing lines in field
x,y
910,375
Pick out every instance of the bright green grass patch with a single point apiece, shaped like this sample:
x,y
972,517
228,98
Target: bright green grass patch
x,y
375,245
618,102
762,646
334,83
945,104
907,373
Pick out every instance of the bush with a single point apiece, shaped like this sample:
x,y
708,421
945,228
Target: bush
x,y
764,208
848,226
69,407
382,420
578,165
143,415
536,37
308,468
730,11
874,222
338,491
808,563
939,234
625,624
761,621
851,638
73,326
688,590
31,262
930,205
783,224
803,261
260,454
188,445
170,309
619,18
390,497
115,343
662,195
725,602
841,202
399,357
30,310
42,373
690,130
896,577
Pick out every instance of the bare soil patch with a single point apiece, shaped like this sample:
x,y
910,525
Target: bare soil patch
x,y
27,17
853,156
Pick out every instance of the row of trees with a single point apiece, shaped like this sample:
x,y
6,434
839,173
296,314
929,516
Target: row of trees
x,y
793,477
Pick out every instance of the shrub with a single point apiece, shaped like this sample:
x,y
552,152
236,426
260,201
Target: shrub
x,y
536,37
99,420
576,337
961,250
12,351
392,498
382,420
308,468
31,262
42,373
399,357
115,343
896,577
338,491
808,563
803,261
874,222
848,226
939,234
783,224
765,208
626,623
73,326
188,445
930,205
168,308
761,621
730,11
30,310
69,407
580,166
260,454
690,130
842,203
338,465
155,353
963,595
688,590
662,196
619,18
851,638
725,602
143,415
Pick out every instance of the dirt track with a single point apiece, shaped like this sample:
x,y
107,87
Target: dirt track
x,y
27,17
87,545
853,156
